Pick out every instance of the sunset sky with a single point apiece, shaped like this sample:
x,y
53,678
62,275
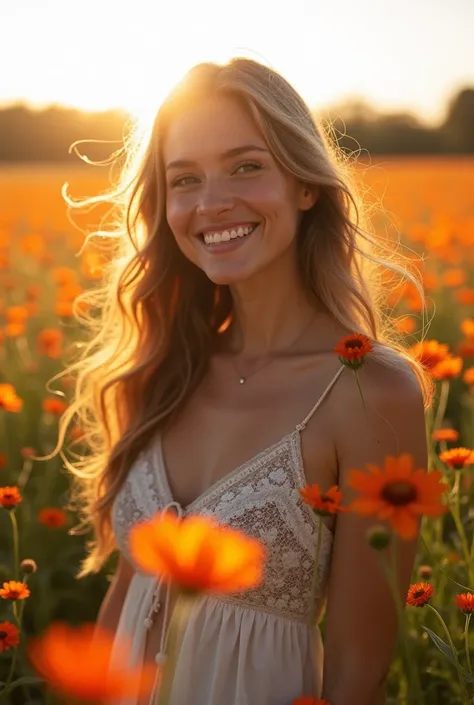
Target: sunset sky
x,y
99,54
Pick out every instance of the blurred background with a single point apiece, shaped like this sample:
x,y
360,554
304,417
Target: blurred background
x,y
393,80
398,75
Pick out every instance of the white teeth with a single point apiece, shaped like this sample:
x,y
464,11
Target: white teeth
x,y
226,235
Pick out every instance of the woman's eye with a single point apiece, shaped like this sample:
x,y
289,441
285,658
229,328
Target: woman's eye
x,y
246,167
183,181
249,166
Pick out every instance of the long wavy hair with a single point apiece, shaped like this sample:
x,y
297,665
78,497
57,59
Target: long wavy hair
x,y
154,321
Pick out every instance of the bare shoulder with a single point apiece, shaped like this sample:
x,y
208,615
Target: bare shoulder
x,y
389,419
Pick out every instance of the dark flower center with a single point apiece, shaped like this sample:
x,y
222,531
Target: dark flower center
x,y
399,493
353,344
419,593
326,498
3,635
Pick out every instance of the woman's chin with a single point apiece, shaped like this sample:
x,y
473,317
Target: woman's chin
x,y
228,276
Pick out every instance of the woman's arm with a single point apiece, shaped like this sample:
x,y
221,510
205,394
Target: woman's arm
x,y
361,622
111,607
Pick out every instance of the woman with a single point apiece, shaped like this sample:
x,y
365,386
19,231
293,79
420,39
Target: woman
x,y
212,387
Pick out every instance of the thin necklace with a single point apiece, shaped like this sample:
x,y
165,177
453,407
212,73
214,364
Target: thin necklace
x,y
243,379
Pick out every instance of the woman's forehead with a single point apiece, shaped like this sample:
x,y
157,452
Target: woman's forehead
x,y
211,127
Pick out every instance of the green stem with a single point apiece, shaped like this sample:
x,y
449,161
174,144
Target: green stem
x,y
456,514
363,400
454,652
178,617
16,550
466,642
410,665
314,586
6,689
443,400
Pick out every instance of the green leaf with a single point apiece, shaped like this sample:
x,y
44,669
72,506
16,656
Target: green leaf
x,y
447,651
27,680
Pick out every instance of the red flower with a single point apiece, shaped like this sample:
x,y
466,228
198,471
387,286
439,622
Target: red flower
x,y
55,654
14,590
419,594
430,353
352,349
53,517
9,636
10,497
447,435
447,369
197,554
457,458
325,503
398,493
465,602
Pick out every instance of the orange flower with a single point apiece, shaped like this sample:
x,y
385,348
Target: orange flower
x,y
465,602
8,398
453,557
10,497
468,376
9,636
398,493
53,517
465,296
310,700
447,369
430,353
64,309
54,656
15,330
197,554
446,435
50,342
54,406
64,276
465,348
406,324
323,504
16,314
467,327
454,277
352,349
457,458
14,590
419,594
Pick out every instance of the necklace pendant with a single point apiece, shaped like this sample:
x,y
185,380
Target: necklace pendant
x,y
242,380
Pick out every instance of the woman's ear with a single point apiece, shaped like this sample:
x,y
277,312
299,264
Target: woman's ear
x,y
308,196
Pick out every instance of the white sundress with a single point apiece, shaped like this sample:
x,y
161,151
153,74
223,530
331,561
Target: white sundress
x,y
254,648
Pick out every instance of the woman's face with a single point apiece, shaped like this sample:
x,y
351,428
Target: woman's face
x,y
231,207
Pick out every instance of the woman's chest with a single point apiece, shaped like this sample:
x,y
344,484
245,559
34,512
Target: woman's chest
x,y
217,434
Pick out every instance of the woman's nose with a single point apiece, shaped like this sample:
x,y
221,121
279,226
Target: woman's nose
x,y
214,196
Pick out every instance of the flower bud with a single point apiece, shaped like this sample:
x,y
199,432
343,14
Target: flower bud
x,y
28,566
425,572
378,537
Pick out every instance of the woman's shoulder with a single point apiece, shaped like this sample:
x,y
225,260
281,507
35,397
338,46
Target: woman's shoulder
x,y
386,375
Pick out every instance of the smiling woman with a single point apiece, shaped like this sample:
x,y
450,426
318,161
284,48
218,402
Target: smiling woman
x,y
244,253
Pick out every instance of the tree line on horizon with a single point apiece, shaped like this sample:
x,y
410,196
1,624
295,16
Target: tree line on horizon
x,y
46,135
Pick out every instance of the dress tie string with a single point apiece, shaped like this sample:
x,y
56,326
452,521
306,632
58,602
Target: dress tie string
x,y
161,586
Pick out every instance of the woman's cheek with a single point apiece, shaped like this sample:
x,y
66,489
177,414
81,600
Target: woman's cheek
x,y
177,215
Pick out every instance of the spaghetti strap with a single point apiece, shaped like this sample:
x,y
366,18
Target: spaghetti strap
x,y
323,396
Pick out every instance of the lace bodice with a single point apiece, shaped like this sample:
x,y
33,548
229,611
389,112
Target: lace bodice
x,y
260,498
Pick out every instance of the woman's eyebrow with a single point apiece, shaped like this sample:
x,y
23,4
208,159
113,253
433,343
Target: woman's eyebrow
x,y
235,151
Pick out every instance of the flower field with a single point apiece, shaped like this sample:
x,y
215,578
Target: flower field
x,y
429,201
